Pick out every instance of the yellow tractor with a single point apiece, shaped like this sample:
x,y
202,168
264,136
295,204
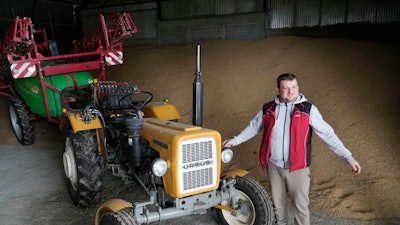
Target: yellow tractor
x,y
178,165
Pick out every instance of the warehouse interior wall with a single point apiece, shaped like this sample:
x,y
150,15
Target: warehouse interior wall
x,y
172,22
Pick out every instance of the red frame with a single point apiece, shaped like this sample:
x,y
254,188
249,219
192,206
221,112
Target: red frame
x,y
19,46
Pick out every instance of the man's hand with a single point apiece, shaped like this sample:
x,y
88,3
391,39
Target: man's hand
x,y
355,166
227,143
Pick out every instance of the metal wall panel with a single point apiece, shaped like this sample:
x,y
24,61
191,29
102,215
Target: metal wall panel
x,y
308,13
333,12
245,26
248,27
21,8
361,11
202,8
167,9
282,13
253,6
183,21
225,7
183,9
388,11
205,32
202,19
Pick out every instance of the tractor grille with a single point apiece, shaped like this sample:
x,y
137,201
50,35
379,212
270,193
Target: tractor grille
x,y
198,164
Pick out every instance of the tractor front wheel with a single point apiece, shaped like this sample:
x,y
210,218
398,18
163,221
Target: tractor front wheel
x,y
122,217
20,121
253,207
82,167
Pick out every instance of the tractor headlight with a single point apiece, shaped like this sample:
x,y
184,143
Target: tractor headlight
x,y
159,167
226,155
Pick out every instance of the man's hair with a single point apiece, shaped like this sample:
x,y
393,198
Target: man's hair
x,y
285,76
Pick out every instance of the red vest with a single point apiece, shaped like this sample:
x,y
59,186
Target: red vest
x,y
300,135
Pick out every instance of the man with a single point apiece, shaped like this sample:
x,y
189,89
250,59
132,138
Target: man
x,y
287,124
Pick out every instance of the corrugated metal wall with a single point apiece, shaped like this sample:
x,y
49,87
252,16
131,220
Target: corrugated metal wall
x,y
333,12
309,13
289,13
185,21
184,9
278,14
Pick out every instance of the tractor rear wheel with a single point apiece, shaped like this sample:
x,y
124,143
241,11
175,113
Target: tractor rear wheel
x,y
20,121
124,216
82,167
254,205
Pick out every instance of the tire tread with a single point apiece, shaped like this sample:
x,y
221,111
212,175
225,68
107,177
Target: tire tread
x,y
28,135
88,163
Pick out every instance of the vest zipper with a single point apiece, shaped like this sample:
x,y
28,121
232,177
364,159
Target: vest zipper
x,y
283,138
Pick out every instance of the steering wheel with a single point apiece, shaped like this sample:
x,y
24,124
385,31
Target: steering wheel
x,y
137,99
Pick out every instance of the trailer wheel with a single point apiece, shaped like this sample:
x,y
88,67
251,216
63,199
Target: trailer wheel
x,y
20,121
122,217
254,205
82,167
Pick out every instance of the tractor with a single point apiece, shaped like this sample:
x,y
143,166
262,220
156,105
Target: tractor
x,y
116,126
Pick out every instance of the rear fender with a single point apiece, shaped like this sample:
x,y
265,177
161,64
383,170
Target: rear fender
x,y
111,205
79,125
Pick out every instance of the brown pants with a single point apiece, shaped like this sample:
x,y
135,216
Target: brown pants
x,y
297,185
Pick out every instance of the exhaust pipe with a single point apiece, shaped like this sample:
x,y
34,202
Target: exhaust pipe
x,y
198,92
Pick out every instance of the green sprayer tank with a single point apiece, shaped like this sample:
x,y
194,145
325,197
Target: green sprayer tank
x,y
30,90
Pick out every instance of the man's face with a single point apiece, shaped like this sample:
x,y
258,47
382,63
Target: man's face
x,y
288,91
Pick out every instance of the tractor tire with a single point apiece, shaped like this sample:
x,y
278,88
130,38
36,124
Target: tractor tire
x,y
20,121
254,207
122,217
82,167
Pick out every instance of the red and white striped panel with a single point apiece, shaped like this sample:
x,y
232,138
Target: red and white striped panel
x,y
23,69
114,58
